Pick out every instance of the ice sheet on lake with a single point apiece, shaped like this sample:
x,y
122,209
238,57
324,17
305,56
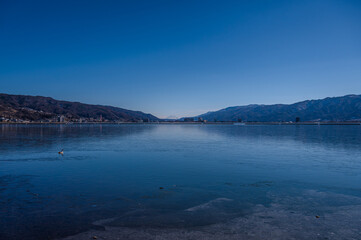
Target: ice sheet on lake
x,y
285,218
208,205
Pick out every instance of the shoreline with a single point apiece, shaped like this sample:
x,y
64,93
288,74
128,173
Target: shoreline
x,y
184,123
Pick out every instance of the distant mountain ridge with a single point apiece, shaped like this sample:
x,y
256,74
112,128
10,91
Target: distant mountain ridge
x,y
36,108
345,108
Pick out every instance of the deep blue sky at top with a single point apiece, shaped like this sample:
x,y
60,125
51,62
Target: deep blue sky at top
x,y
180,57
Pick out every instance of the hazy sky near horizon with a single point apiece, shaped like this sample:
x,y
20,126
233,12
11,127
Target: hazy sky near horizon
x,y
181,58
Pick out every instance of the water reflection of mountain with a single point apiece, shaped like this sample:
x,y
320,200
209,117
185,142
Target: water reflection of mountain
x,y
38,136
330,136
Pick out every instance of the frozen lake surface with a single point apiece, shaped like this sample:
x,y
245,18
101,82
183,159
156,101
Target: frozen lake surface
x,y
160,181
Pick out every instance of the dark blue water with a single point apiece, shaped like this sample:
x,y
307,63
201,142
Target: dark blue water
x,y
169,176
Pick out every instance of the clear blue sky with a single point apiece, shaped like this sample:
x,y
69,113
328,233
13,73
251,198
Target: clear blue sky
x,y
180,58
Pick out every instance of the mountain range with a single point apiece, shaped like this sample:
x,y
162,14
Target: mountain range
x,y
38,108
345,108
20,108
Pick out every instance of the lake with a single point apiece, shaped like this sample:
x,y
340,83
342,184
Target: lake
x,y
180,181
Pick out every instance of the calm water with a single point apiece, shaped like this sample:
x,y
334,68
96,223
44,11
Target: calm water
x,y
171,176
